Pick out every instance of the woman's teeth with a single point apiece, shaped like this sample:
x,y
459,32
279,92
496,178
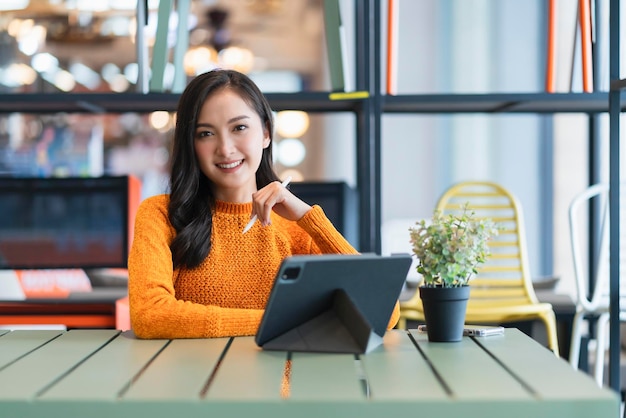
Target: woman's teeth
x,y
231,165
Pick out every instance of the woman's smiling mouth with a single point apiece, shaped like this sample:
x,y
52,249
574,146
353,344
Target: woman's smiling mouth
x,y
230,165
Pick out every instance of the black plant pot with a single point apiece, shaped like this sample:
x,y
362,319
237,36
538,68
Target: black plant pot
x,y
444,311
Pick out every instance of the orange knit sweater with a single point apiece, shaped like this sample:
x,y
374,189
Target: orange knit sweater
x,y
226,294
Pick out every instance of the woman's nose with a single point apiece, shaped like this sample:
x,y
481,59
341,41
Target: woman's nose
x,y
225,145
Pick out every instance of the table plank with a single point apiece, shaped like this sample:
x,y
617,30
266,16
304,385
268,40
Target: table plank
x,y
517,352
179,372
32,374
16,344
124,358
457,362
248,373
310,380
397,361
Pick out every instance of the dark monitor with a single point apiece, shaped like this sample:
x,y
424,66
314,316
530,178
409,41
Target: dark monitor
x,y
339,202
66,223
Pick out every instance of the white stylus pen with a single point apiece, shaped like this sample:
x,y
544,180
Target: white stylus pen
x,y
254,218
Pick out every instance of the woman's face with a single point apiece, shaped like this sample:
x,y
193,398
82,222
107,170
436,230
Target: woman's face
x,y
229,141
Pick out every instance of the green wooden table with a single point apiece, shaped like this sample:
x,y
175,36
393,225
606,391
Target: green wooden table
x,y
105,373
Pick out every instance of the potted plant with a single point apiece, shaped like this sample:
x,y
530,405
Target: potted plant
x,y
448,250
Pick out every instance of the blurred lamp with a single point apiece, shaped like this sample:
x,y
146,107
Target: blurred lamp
x,y
199,59
292,123
236,58
291,152
159,119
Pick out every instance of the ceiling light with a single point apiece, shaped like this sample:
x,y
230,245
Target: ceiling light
x,y
85,75
291,152
62,79
159,119
26,75
119,83
30,41
16,75
131,72
109,71
198,60
44,62
292,123
236,58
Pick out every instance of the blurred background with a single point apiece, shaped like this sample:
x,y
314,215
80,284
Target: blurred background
x,y
76,46
445,47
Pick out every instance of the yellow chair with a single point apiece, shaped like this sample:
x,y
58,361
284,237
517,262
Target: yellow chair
x,y
502,291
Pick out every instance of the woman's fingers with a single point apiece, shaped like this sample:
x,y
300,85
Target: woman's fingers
x,y
276,197
265,199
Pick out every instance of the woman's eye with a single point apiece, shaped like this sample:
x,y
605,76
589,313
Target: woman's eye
x,y
240,127
203,134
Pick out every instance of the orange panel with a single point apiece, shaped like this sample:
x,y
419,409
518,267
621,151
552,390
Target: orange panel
x,y
584,13
70,321
551,50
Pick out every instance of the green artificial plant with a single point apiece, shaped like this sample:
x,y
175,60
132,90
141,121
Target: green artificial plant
x,y
451,247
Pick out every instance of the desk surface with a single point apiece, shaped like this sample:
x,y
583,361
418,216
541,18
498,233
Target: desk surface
x,y
104,373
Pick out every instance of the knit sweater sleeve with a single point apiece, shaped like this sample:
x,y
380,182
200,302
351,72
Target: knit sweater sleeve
x,y
327,240
154,310
325,237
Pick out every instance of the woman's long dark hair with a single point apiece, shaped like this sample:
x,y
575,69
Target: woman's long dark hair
x,y
192,199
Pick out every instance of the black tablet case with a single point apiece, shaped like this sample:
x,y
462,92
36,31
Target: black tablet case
x,y
332,303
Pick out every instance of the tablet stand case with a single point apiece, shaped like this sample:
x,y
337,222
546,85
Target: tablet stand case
x,y
340,329
332,303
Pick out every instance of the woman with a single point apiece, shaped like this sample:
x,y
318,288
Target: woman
x,y
192,272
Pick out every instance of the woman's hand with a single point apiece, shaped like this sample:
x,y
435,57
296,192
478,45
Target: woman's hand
x,y
278,198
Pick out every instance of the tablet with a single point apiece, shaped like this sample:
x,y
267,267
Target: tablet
x,y
332,302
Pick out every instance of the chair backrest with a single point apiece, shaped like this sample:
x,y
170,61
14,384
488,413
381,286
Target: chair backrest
x,y
504,279
597,276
